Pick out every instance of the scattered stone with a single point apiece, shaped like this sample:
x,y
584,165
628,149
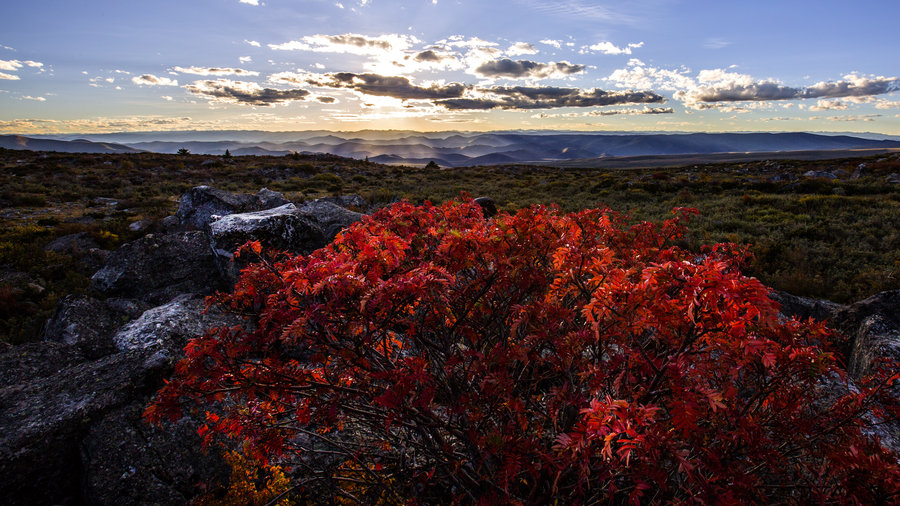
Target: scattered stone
x,y
819,174
893,179
859,172
139,226
351,202
73,244
104,201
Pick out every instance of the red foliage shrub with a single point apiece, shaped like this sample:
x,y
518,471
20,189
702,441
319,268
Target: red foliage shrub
x,y
529,358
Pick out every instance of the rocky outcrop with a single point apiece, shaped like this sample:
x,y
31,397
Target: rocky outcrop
x,y
155,268
87,324
874,326
200,204
45,419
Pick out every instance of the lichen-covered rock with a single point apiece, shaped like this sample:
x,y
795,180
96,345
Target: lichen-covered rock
x,y
200,204
155,268
283,228
85,323
30,361
170,326
819,174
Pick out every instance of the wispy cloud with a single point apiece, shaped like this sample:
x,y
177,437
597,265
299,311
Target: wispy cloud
x,y
9,77
716,43
349,43
253,43
215,71
250,2
550,42
547,97
152,80
36,99
607,47
607,112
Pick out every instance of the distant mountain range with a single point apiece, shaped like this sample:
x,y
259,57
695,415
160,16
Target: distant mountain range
x,y
452,148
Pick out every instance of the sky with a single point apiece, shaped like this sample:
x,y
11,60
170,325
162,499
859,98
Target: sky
x,y
92,66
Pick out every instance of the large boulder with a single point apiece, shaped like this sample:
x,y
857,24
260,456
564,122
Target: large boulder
x,y
874,325
170,326
155,268
332,214
200,204
804,307
285,228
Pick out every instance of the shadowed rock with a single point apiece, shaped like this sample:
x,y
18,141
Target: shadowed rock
x,y
155,268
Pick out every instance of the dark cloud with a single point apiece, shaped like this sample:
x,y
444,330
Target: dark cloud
x,y
739,90
244,93
548,97
326,100
428,56
524,69
358,41
388,86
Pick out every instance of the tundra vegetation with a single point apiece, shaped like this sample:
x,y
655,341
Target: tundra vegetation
x,y
836,239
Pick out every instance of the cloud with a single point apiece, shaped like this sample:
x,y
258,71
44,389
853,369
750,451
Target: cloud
x,y
716,43
349,43
525,69
326,100
550,42
10,65
36,99
640,76
718,85
250,2
829,105
887,104
607,47
9,77
252,43
520,48
863,117
546,97
610,112
374,84
245,59
152,80
215,71
244,93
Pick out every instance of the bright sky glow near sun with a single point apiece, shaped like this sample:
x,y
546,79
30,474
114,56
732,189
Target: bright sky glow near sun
x,y
643,65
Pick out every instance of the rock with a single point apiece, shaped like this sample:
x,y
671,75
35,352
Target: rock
x,y
877,337
31,361
155,268
804,307
73,244
44,418
198,205
487,206
874,324
140,225
331,217
784,176
351,202
893,179
819,174
104,201
859,171
840,173
85,323
170,326
144,464
283,228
